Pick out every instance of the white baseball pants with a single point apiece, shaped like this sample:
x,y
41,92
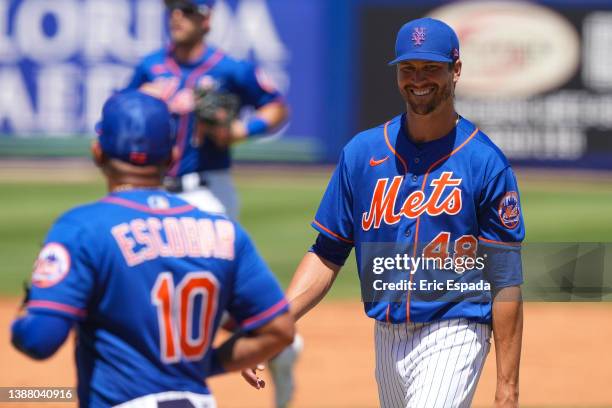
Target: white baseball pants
x,y
218,196
429,365
171,399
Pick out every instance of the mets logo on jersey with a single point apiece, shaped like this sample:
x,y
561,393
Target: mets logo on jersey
x,y
158,202
52,265
509,210
208,83
445,198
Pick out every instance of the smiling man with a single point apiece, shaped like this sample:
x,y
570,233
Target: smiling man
x,y
431,184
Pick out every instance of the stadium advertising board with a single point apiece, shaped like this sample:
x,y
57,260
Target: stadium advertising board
x,y
534,75
59,60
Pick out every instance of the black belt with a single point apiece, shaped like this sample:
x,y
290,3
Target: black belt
x,y
179,403
175,184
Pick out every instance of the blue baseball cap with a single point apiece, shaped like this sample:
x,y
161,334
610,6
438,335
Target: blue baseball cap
x,y
426,39
201,6
135,128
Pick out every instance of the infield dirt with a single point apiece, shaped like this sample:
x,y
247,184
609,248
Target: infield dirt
x,y
566,360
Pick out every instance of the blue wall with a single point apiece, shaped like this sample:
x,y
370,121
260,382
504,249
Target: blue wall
x,y
59,60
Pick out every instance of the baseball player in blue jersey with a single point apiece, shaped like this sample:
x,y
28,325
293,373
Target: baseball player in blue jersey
x,y
145,276
427,185
179,74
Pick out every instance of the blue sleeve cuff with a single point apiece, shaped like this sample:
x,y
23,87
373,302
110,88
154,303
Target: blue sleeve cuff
x,y
334,251
39,335
503,265
215,367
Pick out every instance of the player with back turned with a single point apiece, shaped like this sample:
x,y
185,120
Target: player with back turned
x,y
428,183
145,277
205,89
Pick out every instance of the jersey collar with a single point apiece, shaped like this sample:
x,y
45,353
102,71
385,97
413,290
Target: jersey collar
x,y
419,156
206,53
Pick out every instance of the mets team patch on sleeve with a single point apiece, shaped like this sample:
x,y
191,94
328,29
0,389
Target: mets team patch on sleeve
x,y
52,265
509,210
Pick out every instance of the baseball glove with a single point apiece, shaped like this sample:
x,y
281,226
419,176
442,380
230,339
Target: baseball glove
x,y
215,111
215,108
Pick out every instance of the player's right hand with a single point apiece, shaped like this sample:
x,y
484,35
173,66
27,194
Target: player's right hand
x,y
222,135
161,88
251,377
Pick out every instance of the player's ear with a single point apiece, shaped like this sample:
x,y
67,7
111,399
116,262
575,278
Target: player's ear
x,y
174,156
97,154
206,23
456,71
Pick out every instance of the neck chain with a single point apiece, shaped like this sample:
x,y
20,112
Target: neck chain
x,y
127,187
123,187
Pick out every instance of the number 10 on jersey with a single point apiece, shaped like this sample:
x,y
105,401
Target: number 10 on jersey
x,y
177,314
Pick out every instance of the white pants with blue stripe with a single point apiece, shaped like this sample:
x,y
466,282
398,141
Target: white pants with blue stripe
x,y
429,365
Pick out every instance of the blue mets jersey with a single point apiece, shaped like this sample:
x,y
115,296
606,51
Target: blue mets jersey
x,y
448,200
213,70
147,276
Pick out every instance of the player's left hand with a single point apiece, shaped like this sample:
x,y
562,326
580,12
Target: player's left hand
x,y
251,377
22,311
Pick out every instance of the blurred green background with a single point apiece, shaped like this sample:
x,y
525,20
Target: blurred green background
x,y
278,205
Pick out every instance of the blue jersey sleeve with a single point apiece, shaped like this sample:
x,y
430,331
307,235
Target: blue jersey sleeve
x,y
253,86
257,296
139,77
63,279
502,229
334,217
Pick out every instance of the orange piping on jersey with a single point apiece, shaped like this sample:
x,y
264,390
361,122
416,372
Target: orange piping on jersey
x,y
183,126
401,159
449,155
332,233
512,244
141,207
416,230
47,304
265,314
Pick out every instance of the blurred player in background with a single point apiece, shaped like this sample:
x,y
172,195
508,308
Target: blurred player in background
x,y
146,277
205,90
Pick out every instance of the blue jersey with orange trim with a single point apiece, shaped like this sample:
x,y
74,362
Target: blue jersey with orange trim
x,y
448,198
147,277
213,70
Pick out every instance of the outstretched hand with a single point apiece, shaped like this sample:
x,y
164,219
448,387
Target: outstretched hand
x,y
251,377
